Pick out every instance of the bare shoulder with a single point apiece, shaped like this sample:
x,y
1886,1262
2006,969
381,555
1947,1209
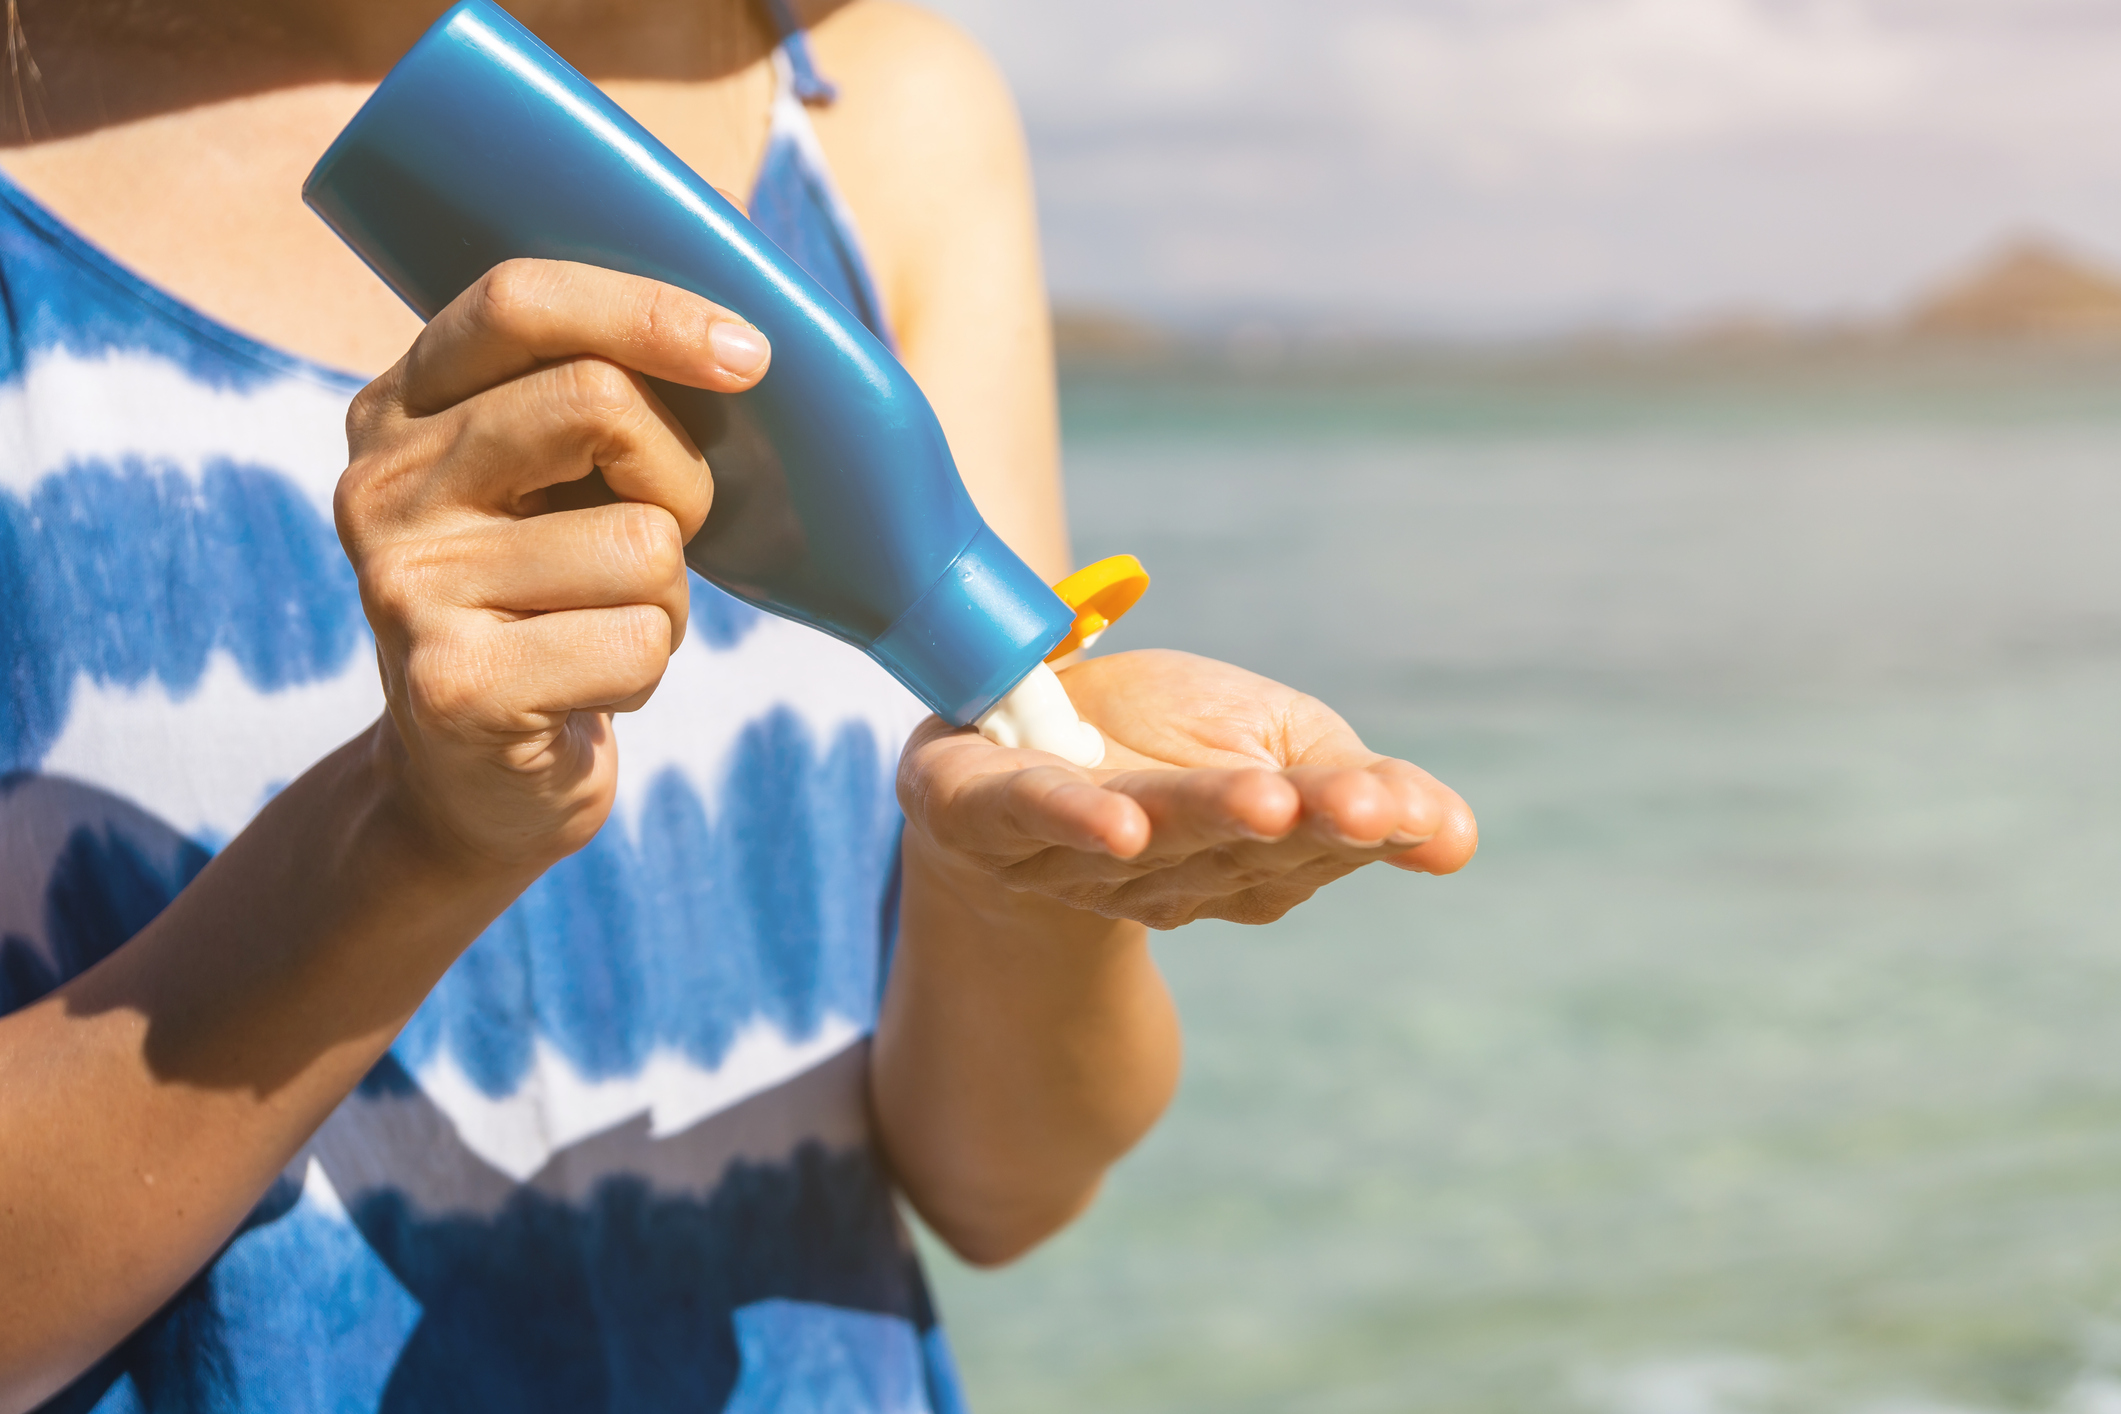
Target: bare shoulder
x,y
899,63
925,132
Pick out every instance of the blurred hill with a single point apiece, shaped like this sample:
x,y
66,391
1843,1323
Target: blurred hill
x,y
1102,333
2032,288
2030,294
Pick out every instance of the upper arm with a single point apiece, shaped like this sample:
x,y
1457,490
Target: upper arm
x,y
927,149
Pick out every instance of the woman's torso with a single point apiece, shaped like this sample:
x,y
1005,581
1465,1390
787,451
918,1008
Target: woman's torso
x,y
620,1159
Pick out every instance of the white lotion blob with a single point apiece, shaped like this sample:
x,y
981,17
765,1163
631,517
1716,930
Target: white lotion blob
x,y
1037,715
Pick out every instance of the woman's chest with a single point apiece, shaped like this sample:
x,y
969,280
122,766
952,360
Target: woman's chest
x,y
205,204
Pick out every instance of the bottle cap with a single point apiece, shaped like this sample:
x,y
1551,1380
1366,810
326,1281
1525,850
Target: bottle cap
x,y
1099,594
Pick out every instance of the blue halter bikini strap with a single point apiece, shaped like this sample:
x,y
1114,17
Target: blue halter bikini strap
x,y
810,85
794,199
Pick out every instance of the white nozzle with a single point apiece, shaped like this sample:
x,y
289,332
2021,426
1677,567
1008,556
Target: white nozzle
x,y
1037,715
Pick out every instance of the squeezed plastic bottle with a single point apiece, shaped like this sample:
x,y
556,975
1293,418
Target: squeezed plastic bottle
x,y
836,501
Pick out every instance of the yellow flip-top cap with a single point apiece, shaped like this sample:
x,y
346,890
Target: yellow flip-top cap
x,y
1099,594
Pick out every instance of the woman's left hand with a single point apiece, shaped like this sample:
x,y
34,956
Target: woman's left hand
x,y
1222,795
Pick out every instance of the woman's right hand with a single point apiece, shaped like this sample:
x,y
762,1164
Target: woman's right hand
x,y
512,613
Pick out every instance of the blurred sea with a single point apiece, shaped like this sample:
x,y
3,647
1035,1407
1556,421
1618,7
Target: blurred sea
x,y
1769,1056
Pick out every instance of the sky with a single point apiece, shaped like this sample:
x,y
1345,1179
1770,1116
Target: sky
x,y
1501,166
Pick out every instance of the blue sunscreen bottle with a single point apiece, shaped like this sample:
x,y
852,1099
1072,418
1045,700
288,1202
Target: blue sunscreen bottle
x,y
836,502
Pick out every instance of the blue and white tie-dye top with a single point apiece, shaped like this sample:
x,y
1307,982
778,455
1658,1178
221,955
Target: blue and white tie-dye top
x,y
620,1160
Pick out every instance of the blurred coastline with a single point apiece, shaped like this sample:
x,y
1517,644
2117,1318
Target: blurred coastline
x,y
2035,325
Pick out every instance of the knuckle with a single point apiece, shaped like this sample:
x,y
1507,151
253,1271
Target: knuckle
x,y
449,683
914,788
1426,817
351,508
694,496
368,408
640,544
362,496
1153,903
386,475
668,317
1017,871
652,543
1163,917
598,393
1089,898
1240,873
640,637
359,498
1253,911
396,581
511,297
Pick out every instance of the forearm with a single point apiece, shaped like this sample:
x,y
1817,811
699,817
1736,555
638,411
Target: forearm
x,y
1023,1047
147,1105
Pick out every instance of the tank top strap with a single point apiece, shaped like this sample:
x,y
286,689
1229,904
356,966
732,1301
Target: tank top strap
x,y
810,86
794,198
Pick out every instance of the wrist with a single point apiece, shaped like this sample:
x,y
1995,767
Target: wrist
x,y
409,818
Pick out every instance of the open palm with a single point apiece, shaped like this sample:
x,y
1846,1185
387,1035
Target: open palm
x,y
1223,795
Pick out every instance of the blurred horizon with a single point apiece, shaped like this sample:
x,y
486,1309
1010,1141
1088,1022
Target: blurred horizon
x,y
2031,311
1454,170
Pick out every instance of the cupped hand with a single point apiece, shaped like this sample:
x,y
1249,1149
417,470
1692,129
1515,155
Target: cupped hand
x,y
1222,795
516,510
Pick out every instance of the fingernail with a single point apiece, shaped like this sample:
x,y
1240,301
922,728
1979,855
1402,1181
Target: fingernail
x,y
739,348
1405,837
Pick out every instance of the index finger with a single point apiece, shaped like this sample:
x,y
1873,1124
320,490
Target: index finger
x,y
1004,805
524,314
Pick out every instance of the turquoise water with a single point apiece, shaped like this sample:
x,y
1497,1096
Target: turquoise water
x,y
1769,1057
